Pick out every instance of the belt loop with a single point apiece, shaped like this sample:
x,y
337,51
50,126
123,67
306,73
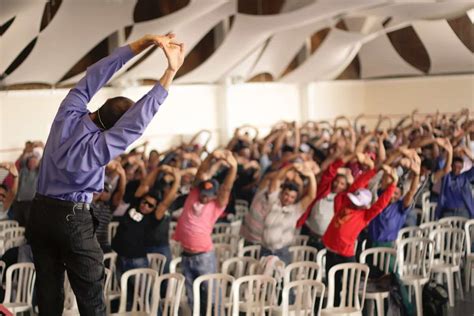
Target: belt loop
x,y
73,213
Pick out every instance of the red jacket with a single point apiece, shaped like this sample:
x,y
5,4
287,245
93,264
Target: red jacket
x,y
347,223
323,190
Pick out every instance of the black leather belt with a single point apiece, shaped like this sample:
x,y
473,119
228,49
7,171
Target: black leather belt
x,y
77,206
191,254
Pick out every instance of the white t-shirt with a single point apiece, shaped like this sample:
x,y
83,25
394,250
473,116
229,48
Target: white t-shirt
x,y
321,214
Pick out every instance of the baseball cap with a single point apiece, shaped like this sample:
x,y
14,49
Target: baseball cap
x,y
361,197
209,187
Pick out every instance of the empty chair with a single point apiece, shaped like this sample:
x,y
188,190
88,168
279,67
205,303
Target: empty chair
x,y
408,232
384,259
305,270
212,294
169,303
428,227
14,242
223,252
176,248
113,290
414,260
428,211
19,287
226,239
7,224
111,231
253,295
303,253
304,297
221,228
175,265
239,266
469,264
139,284
235,227
157,262
449,245
300,240
2,270
241,208
454,221
353,286
321,260
250,251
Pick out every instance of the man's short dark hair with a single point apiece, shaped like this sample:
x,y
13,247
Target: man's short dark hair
x,y
428,164
112,111
458,159
3,186
291,186
287,149
154,194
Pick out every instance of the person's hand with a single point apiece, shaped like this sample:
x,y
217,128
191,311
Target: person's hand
x,y
10,167
391,172
415,165
230,159
174,51
218,154
113,165
167,169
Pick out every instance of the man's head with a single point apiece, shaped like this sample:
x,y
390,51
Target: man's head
x,y
458,164
149,203
289,193
397,194
208,190
112,110
3,192
427,166
389,176
360,199
339,184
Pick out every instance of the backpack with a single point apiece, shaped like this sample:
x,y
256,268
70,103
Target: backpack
x,y
435,298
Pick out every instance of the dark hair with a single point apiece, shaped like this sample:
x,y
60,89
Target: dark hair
x,y
154,194
287,148
112,110
428,164
291,186
400,186
3,186
458,159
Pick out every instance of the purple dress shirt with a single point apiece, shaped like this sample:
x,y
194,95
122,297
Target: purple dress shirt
x,y
77,151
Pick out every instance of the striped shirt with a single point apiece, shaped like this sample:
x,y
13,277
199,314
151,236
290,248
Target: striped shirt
x,y
252,226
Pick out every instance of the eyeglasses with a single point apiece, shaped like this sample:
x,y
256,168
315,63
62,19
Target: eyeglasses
x,y
151,205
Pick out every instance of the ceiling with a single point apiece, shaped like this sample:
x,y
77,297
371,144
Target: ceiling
x,y
52,42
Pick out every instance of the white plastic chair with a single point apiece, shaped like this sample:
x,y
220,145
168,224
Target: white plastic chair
x,y
175,248
157,262
111,231
175,265
14,242
382,258
414,261
172,229
250,251
221,228
354,283
300,240
19,288
469,264
305,270
408,232
169,304
305,293
218,293
428,211
454,221
239,266
2,270
7,224
223,252
229,239
241,208
253,295
321,260
143,295
428,227
113,291
450,244
303,253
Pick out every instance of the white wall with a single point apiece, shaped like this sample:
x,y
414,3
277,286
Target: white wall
x,y
27,115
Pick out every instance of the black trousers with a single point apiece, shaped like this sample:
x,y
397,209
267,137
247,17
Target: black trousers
x,y
333,259
21,212
62,238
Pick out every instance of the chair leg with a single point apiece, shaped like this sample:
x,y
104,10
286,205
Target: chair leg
x,y
467,275
459,282
379,303
409,293
418,298
449,276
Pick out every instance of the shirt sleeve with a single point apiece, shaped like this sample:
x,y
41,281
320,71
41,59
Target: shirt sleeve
x,y
381,203
362,181
469,174
96,77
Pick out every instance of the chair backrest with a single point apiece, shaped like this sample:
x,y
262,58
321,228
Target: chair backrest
x,y
112,230
141,282
469,230
305,294
229,239
408,232
218,292
241,208
7,224
449,245
2,270
428,211
415,257
235,227
221,228
428,227
176,248
175,265
172,228
110,261
300,240
380,257
13,232
156,261
20,283
305,270
223,252
250,251
239,266
256,292
354,282
454,221
321,260
169,304
303,253
14,242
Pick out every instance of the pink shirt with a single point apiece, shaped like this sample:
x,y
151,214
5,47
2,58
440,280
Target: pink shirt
x,y
195,224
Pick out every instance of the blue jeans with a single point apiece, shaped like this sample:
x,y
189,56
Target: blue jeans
x,y
283,254
163,250
194,267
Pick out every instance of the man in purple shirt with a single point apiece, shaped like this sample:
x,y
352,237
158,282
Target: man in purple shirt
x,y
61,229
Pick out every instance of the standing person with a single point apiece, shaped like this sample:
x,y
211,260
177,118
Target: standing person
x,y
61,226
205,203
8,195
